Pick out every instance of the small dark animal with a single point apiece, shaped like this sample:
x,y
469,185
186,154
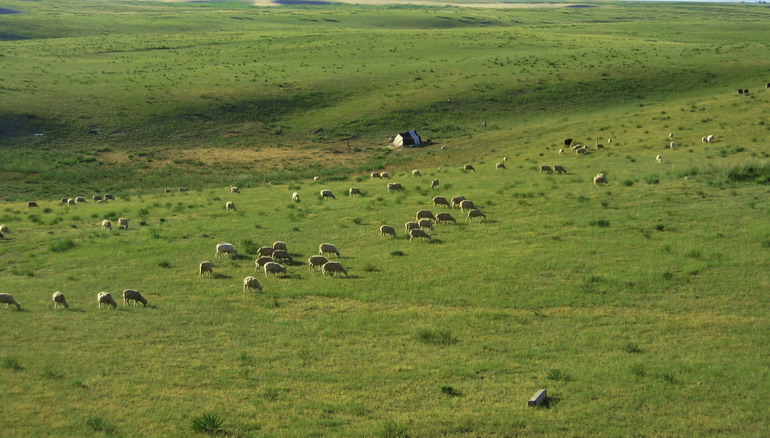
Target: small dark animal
x,y
568,142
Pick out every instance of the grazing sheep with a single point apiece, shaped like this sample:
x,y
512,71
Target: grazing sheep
x,y
600,178
672,144
8,300
123,223
469,168
440,200
710,139
106,298
475,213
375,175
703,139
135,296
418,233
316,178
72,201
109,197
279,245
387,229
274,268
355,191
581,151
266,251
251,283
106,225
546,169
434,184
234,189
559,169
411,226
392,187
416,172
230,206
445,218
167,191
609,140
456,200
423,214
4,229
183,189
500,165
282,255
96,198
467,205
505,158
599,146
425,223
295,197
659,159
561,151
326,193
384,175
226,248
65,200
576,146
80,200
59,300
333,268
328,248
206,268
32,204
260,262
670,135
316,260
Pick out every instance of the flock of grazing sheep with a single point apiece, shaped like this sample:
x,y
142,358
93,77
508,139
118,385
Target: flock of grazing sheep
x,y
270,258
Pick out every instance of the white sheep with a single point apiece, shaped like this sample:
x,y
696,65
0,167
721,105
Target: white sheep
x,y
316,260
561,151
206,268
106,298
251,283
295,197
316,178
333,268
355,191
123,223
456,200
282,255
328,248
425,223
279,245
71,201
375,175
559,169
59,300
600,178
411,226
96,198
659,159
135,296
671,145
225,248
230,206
274,268
8,300
505,158
444,218
384,175
670,135
387,230
475,214
424,214
106,225
434,184
65,200
260,262
392,187
326,193
440,200
80,200
4,229
703,139
500,165
467,204
416,172
469,168
234,189
265,251
581,151
418,233
710,139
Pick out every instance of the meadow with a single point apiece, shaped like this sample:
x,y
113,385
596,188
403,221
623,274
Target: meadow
x,y
641,305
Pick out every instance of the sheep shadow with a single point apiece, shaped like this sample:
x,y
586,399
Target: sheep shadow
x,y
218,276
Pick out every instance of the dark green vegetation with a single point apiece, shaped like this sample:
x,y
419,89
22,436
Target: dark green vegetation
x,y
640,305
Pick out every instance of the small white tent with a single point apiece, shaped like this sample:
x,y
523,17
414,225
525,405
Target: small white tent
x,y
407,139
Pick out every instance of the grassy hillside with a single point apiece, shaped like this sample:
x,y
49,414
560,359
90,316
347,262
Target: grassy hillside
x,y
152,94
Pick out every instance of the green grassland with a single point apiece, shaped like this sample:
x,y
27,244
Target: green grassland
x,y
641,305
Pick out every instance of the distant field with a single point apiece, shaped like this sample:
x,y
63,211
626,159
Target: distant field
x,y
640,305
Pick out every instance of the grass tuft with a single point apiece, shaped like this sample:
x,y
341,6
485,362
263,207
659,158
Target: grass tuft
x,y
558,375
98,424
436,337
11,363
208,423
61,245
